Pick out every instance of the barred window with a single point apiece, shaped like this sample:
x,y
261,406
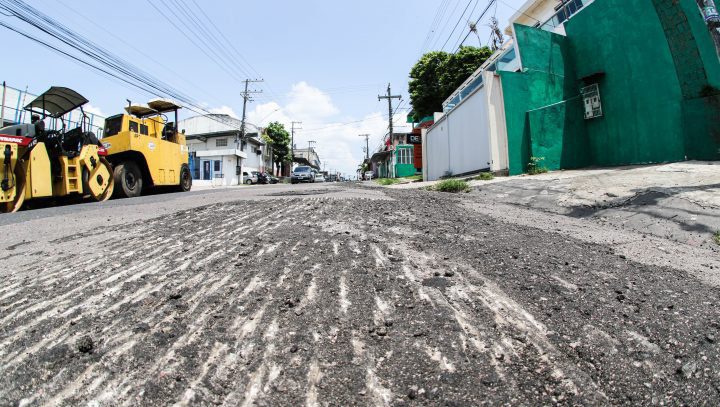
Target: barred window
x,y
221,142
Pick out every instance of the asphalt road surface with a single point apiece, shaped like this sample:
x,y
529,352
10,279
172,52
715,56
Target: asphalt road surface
x,y
339,295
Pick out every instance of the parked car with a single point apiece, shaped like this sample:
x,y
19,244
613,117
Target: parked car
x,y
249,178
319,177
261,177
369,175
302,174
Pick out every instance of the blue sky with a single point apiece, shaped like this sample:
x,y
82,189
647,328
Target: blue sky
x,y
324,62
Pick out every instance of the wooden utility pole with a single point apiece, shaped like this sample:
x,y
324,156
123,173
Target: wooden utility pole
x,y
367,145
292,141
247,97
389,98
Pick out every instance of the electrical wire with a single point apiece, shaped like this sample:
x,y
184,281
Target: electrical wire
x,y
490,3
98,58
457,24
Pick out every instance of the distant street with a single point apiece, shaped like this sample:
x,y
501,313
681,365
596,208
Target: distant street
x,y
343,294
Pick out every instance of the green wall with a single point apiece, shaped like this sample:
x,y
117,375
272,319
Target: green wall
x,y
702,128
655,64
640,91
559,135
548,78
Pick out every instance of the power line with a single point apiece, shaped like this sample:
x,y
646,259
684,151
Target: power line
x,y
452,13
439,15
457,24
490,3
98,58
164,66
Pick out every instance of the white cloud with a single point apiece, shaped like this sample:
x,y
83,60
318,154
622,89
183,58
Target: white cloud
x,y
88,108
307,103
225,110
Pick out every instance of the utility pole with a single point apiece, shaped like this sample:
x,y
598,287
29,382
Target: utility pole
x,y
310,149
389,98
292,141
367,145
247,97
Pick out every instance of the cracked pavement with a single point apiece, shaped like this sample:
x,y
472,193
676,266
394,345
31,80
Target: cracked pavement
x,y
344,295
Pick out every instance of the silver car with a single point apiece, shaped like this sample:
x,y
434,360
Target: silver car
x,y
302,174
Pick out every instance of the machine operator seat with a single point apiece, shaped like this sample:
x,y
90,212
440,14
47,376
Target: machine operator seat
x,y
169,131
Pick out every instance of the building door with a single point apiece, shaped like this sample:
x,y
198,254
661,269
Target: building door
x,y
206,170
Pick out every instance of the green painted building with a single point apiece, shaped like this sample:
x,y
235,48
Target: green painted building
x,y
657,72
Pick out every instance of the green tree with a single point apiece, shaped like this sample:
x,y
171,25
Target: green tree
x,y
460,66
426,94
437,74
279,139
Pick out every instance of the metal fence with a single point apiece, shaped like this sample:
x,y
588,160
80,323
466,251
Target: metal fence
x,y
13,101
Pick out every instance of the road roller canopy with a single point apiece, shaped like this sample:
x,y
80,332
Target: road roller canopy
x,y
163,105
56,102
140,111
154,107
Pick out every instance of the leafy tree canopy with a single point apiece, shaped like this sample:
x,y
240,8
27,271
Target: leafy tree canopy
x,y
279,140
438,74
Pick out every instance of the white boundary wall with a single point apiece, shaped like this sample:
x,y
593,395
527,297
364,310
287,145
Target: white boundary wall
x,y
471,137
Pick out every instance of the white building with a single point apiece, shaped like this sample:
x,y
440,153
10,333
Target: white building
x,y
307,156
218,154
546,14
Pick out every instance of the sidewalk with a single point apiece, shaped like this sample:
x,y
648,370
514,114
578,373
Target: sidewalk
x,y
679,201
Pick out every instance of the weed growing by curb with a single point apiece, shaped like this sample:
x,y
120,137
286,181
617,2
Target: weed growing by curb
x,y
485,176
387,181
716,237
535,167
452,186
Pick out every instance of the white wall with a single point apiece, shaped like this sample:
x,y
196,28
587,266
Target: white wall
x,y
437,150
460,142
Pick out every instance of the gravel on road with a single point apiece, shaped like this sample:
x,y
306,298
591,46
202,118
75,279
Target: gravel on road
x,y
313,299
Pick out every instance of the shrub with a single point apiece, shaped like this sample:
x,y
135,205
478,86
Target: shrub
x,y
485,176
452,185
535,167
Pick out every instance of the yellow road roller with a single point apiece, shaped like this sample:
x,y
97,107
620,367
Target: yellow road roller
x,y
39,163
146,149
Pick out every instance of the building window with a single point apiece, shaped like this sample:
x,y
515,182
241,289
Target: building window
x,y
564,12
221,142
217,167
405,156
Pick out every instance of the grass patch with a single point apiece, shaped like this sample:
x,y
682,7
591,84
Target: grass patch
x,y
387,181
414,178
485,176
716,237
452,185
